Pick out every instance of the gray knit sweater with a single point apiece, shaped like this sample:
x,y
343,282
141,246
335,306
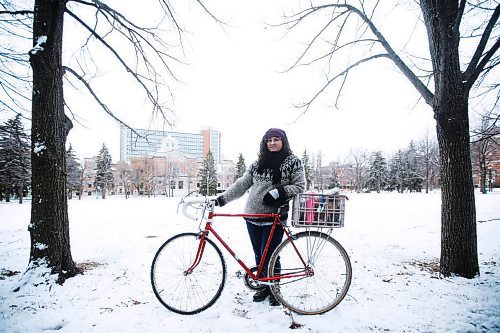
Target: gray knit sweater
x,y
292,182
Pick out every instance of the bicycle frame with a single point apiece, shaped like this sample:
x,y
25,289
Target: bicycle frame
x,y
265,280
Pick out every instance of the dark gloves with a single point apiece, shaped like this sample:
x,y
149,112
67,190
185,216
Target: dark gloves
x,y
275,197
219,201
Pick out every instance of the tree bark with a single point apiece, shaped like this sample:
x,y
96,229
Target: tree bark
x,y
450,105
49,227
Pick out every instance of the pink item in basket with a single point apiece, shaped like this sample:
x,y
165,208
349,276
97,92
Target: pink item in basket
x,y
310,214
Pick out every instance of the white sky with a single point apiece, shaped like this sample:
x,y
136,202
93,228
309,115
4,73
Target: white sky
x,y
234,85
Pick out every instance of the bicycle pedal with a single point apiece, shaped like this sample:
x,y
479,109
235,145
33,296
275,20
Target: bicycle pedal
x,y
239,274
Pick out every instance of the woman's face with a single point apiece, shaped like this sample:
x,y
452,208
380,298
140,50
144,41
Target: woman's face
x,y
274,144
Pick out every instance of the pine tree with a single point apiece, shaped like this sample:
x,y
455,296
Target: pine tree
x,y
15,162
378,172
396,175
73,172
334,181
414,179
240,167
307,169
208,176
104,175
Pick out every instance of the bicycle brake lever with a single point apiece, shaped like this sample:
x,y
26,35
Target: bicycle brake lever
x,y
178,205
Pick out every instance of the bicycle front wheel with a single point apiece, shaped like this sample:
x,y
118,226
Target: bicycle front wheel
x,y
329,278
182,292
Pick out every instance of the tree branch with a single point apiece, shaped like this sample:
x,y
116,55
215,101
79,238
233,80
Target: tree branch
x,y
482,64
417,83
343,73
16,12
154,100
458,19
426,94
97,99
473,70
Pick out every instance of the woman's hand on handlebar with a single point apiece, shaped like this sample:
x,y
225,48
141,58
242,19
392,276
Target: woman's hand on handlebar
x,y
219,201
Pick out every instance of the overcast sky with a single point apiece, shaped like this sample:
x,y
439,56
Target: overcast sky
x,y
235,84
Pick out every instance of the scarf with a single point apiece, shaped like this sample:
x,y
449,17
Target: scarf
x,y
273,161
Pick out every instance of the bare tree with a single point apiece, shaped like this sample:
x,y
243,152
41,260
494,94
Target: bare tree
x,y
149,176
484,149
360,159
124,176
137,169
352,26
143,52
191,168
144,173
81,179
320,173
171,169
429,153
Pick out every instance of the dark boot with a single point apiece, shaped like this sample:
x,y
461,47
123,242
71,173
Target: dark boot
x,y
273,301
261,295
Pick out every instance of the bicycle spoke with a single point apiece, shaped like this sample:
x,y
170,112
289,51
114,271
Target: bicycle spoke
x,y
330,278
187,293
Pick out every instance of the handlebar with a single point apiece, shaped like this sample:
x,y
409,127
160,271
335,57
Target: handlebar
x,y
202,202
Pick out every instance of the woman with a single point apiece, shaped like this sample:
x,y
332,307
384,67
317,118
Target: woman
x,y
275,177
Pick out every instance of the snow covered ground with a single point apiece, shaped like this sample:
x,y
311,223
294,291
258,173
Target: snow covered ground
x,y
393,241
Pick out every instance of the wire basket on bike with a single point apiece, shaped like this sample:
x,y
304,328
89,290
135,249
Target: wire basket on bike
x,y
318,210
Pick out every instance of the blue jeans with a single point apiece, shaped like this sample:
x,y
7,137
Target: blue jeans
x,y
258,237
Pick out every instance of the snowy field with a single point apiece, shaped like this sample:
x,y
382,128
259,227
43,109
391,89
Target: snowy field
x,y
393,241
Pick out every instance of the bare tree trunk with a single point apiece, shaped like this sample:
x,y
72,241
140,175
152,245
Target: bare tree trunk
x,y
20,193
458,215
427,177
450,105
482,169
103,193
8,191
49,227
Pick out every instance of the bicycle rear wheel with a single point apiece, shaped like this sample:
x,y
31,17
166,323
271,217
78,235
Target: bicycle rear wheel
x,y
187,293
326,287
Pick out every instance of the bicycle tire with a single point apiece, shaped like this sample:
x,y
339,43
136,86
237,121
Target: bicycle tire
x,y
187,293
326,288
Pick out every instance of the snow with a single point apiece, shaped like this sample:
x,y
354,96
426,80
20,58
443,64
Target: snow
x,y
393,241
41,246
38,47
39,147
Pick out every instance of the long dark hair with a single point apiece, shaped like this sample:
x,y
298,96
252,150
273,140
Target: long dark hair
x,y
273,160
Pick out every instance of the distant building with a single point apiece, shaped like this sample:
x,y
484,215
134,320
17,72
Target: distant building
x,y
146,143
88,175
226,172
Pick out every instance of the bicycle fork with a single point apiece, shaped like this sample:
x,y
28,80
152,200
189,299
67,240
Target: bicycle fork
x,y
199,253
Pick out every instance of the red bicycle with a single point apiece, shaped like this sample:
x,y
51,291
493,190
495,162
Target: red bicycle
x,y
188,272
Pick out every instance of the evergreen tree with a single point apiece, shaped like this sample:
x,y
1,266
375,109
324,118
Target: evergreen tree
x,y
208,176
15,161
307,170
413,179
104,174
240,167
73,173
334,180
396,176
377,172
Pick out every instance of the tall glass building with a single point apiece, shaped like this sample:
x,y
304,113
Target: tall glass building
x,y
143,142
